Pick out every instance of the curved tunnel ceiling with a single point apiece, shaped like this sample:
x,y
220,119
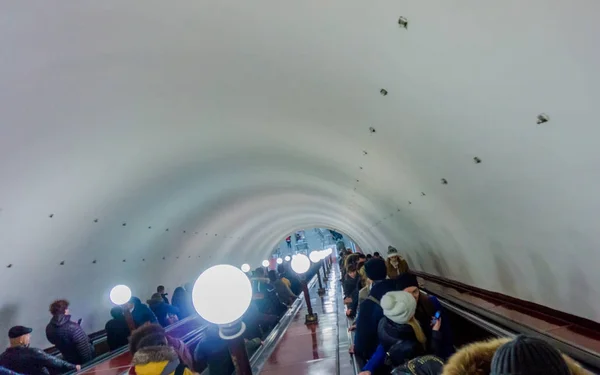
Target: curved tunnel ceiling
x,y
233,123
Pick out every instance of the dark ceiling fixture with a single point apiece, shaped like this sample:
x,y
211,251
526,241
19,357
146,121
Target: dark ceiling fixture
x,y
372,130
444,181
383,92
476,160
403,22
542,118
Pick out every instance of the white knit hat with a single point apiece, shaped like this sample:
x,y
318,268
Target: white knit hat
x,y
392,251
398,306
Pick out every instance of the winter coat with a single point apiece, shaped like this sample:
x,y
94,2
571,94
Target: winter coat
x,y
295,284
70,339
476,359
399,344
162,311
425,365
31,361
350,285
265,297
5,371
214,350
158,360
394,272
117,333
427,306
183,301
370,313
142,314
283,292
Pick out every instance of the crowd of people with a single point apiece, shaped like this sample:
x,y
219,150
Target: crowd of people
x,y
142,327
399,330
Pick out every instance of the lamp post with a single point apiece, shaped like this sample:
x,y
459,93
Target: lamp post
x,y
225,306
120,295
301,264
315,257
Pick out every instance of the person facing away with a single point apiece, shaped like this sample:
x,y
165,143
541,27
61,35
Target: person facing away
x,y
154,356
375,271
161,290
521,355
68,337
288,274
117,330
401,337
283,291
376,255
140,313
183,302
21,358
138,335
165,313
424,365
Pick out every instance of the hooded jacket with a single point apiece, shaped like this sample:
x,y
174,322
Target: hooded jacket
x,y
141,313
70,339
158,360
476,358
162,311
31,361
370,313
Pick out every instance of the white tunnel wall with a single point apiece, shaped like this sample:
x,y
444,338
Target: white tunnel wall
x,y
241,122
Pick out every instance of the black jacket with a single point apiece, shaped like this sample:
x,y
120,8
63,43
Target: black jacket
x,y
30,361
117,333
162,310
164,297
70,339
401,344
350,285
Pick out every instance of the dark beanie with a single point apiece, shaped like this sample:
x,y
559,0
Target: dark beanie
x,y
406,280
528,355
376,269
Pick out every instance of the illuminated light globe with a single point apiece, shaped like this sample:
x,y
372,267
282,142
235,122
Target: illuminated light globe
x,y
120,294
279,260
245,267
300,263
265,263
229,301
315,256
287,258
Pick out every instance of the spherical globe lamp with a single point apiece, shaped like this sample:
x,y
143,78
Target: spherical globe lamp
x,y
287,258
315,256
300,263
120,294
279,260
228,302
245,267
265,263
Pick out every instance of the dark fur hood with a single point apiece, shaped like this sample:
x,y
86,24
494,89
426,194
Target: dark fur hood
x,y
154,354
476,358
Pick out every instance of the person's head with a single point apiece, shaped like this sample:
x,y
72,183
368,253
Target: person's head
x,y
362,258
160,289
528,355
280,268
272,275
408,282
375,269
398,306
19,336
133,302
116,312
59,307
376,254
135,340
259,272
424,365
351,271
156,298
369,256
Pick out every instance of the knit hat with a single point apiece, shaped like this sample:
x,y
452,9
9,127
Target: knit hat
x,y
392,251
528,355
406,280
398,306
375,269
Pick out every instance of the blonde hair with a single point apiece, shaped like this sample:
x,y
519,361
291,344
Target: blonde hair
x,y
418,331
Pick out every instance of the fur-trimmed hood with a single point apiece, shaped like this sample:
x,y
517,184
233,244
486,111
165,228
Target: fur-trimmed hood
x,y
476,358
154,354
